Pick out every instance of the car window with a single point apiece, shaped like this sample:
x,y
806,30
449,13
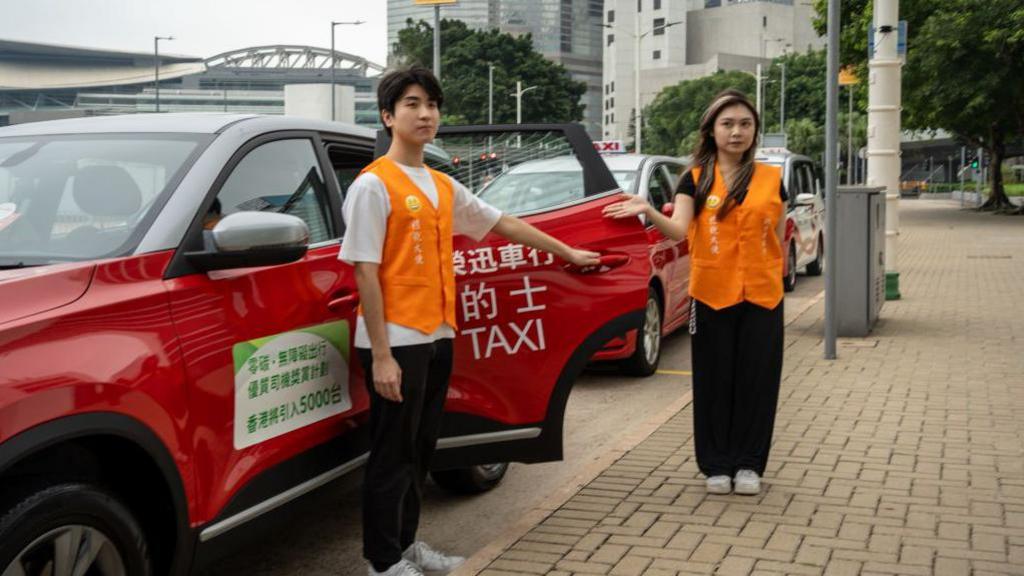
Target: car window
x,y
675,172
625,179
659,190
798,181
347,161
281,176
810,179
517,172
82,197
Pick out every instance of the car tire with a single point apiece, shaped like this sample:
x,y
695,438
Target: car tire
x,y
818,266
789,278
645,359
104,536
471,480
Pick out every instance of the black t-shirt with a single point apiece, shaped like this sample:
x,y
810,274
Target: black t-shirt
x,y
689,188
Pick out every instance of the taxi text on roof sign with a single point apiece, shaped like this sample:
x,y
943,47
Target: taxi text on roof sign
x,y
610,146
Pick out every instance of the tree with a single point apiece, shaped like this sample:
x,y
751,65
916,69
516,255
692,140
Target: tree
x,y
805,84
805,137
673,119
465,55
964,71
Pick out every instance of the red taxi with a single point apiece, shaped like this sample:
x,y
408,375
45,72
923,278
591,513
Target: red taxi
x,y
542,183
175,329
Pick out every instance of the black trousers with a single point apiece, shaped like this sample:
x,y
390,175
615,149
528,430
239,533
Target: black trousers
x,y
403,436
737,366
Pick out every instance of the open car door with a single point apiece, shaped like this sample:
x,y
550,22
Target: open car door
x,y
529,322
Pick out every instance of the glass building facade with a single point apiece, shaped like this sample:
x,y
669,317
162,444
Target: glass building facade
x,y
565,31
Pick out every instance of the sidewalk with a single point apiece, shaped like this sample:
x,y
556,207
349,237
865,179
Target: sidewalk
x,y
904,456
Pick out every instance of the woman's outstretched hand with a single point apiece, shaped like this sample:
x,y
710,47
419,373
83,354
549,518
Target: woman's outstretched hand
x,y
631,205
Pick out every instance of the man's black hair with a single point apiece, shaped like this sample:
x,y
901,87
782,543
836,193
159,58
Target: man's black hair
x,y
394,84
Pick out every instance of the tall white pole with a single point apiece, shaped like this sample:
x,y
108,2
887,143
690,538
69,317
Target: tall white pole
x,y
831,180
519,101
758,96
156,67
156,70
490,93
333,60
638,115
782,100
884,130
437,41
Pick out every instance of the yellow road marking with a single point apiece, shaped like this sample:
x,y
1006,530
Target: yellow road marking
x,y
675,372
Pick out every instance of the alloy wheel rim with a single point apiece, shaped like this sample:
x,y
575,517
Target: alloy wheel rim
x,y
652,332
791,272
71,550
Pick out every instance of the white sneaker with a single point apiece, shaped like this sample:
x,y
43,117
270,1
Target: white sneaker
x,y
747,482
430,560
401,568
720,484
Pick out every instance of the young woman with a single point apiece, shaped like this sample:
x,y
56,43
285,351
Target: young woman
x,y
732,211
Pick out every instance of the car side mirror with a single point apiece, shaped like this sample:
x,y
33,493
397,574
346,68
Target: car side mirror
x,y
804,199
668,209
247,239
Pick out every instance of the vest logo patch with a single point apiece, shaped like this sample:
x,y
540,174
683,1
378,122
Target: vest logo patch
x,y
713,201
413,203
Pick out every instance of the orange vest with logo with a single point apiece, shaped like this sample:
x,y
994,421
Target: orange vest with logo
x,y
417,273
739,257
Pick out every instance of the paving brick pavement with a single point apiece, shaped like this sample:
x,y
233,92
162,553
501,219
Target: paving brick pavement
x,y
903,456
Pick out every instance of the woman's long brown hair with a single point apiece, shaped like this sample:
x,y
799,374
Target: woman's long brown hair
x,y
706,152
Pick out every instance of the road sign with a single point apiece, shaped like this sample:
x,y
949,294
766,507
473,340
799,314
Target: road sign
x,y
610,146
848,76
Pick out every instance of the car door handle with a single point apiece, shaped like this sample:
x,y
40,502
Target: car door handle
x,y
344,302
606,262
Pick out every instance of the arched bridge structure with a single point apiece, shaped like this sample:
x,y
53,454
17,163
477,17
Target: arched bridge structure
x,y
292,57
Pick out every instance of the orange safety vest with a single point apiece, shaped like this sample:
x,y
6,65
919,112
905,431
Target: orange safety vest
x,y
417,273
738,258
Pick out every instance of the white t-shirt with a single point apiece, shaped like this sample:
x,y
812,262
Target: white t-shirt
x,y
366,210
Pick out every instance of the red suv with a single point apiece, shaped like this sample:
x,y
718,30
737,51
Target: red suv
x,y
175,330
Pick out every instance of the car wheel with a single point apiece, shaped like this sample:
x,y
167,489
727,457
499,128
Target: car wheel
x,y
71,529
471,480
647,355
789,279
815,268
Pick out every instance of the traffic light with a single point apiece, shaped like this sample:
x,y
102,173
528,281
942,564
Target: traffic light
x,y
974,164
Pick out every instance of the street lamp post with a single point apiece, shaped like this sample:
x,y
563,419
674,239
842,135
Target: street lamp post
x,y
333,58
638,114
490,93
437,42
156,66
519,99
782,101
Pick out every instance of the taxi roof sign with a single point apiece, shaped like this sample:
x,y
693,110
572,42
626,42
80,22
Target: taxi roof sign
x,y
610,146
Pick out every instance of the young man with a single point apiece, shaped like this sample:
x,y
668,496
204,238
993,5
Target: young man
x,y
400,218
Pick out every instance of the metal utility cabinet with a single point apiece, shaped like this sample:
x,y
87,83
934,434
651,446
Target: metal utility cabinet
x,y
860,249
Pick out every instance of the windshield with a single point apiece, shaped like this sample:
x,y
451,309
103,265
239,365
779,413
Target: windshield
x,y
82,197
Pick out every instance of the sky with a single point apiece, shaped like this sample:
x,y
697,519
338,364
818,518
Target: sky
x,y
201,28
